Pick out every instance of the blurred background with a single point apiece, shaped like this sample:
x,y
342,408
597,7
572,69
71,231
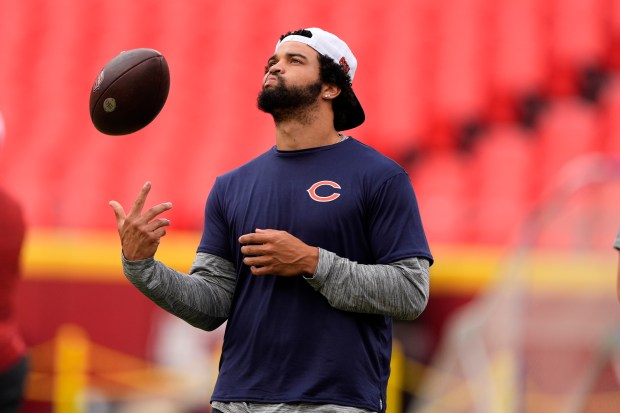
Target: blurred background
x,y
505,113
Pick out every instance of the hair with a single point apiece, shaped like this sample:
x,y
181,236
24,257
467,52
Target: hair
x,y
331,72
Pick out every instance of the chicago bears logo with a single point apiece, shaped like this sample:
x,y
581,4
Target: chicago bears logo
x,y
318,198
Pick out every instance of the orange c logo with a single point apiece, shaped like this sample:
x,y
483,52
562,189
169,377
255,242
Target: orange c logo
x,y
312,191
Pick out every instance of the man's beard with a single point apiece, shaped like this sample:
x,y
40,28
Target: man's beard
x,y
289,102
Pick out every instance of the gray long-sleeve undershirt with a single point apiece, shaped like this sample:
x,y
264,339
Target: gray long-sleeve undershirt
x,y
203,297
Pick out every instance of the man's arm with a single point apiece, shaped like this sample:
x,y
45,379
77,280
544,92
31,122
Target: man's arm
x,y
202,298
399,290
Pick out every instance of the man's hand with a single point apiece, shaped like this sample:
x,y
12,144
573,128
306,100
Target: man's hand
x,y
271,252
140,233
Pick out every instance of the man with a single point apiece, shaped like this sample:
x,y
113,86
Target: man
x,y
13,355
308,251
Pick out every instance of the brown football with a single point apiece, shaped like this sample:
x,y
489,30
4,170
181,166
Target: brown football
x,y
129,92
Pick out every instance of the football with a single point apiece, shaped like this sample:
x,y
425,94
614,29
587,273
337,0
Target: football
x,y
129,92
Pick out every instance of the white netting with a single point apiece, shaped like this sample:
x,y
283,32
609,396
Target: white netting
x,y
546,336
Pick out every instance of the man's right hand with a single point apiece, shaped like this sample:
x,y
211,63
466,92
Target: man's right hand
x,y
141,233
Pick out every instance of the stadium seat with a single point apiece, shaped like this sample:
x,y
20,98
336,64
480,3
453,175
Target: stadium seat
x,y
516,56
397,121
443,185
613,40
577,39
568,129
435,67
503,170
459,83
610,117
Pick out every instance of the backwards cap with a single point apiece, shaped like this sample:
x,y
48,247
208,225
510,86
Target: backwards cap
x,y
331,46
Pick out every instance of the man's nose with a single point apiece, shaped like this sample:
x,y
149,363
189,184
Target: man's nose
x,y
275,68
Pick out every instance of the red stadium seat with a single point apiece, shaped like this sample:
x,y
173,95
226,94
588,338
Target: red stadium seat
x,y
576,38
397,121
613,40
443,186
567,130
459,83
516,57
426,69
503,169
610,117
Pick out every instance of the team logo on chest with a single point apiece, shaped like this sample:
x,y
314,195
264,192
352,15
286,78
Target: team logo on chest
x,y
319,198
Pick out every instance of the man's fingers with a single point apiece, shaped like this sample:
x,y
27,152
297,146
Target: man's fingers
x,y
118,209
259,265
156,224
158,233
138,206
156,210
259,237
247,238
119,212
261,270
141,199
259,261
253,249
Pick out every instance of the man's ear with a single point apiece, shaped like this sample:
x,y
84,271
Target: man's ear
x,y
330,91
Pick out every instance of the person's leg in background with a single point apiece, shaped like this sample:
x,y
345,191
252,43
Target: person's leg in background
x,y
12,386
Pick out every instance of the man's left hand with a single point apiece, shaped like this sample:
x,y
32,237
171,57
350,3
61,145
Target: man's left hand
x,y
273,252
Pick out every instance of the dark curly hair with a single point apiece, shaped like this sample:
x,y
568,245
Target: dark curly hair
x,y
331,72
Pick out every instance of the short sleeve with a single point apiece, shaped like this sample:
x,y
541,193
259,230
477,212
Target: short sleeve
x,y
215,233
396,230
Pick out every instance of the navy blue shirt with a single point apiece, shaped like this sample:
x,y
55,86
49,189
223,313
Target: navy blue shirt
x,y
283,341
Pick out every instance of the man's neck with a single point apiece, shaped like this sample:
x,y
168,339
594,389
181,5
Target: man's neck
x,y
292,135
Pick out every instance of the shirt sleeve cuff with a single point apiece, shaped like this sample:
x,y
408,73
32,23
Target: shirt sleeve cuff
x,y
323,267
131,267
